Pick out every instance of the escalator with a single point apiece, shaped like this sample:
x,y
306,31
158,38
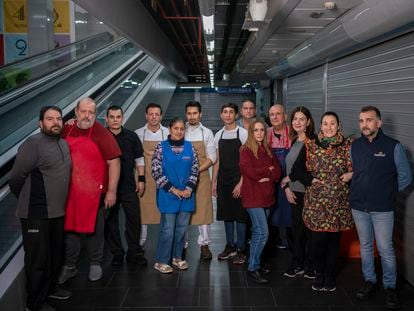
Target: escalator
x,y
110,70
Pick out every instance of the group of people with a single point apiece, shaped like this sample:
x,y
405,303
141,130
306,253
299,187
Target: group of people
x,y
71,180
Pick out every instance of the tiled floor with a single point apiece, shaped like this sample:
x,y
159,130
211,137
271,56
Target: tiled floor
x,y
216,285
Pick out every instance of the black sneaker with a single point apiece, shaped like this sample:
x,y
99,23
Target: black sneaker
x,y
265,270
318,283
310,274
137,260
240,257
391,299
229,252
367,290
118,260
257,277
294,272
60,294
329,286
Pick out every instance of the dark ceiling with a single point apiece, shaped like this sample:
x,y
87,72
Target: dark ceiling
x,y
243,55
180,20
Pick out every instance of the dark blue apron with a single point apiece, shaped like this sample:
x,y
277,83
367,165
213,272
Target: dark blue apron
x,y
281,214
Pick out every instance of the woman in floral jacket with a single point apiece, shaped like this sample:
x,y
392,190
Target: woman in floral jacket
x,y
326,209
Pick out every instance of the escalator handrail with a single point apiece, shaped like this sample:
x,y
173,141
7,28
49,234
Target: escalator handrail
x,y
29,58
4,99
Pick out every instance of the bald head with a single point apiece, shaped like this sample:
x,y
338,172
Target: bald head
x,y
277,116
85,113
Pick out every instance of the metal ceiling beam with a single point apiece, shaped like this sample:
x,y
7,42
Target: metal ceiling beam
x,y
278,11
131,19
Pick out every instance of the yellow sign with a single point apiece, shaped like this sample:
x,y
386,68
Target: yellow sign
x,y
61,16
15,16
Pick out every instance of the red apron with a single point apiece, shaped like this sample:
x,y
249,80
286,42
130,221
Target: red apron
x,y
88,169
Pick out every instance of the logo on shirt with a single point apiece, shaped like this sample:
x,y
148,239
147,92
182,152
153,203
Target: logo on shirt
x,y
379,154
32,230
186,158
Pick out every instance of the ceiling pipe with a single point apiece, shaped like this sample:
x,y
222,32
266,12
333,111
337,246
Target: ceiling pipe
x,y
372,22
184,30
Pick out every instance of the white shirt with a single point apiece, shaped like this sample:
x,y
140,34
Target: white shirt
x,y
231,134
145,134
201,133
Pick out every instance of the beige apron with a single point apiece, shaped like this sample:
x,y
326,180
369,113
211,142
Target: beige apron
x,y
203,214
148,202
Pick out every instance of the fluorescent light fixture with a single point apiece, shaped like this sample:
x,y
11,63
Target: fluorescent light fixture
x,y
210,58
210,65
210,46
208,24
191,87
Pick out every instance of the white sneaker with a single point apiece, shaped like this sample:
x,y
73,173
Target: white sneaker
x,y
95,273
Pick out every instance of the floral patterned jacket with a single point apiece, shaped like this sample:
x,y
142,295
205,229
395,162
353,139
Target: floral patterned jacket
x,y
326,206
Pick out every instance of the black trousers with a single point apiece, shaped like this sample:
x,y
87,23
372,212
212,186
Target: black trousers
x,y
301,236
325,249
130,204
43,246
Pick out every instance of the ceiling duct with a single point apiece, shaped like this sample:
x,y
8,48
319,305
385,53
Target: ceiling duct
x,y
371,22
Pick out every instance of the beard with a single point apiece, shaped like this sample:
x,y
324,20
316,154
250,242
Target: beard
x,y
53,131
85,123
368,132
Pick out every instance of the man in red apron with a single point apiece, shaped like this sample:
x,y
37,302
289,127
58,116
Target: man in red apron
x,y
279,141
94,179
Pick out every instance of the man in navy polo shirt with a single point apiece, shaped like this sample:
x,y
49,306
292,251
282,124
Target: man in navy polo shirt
x,y
380,171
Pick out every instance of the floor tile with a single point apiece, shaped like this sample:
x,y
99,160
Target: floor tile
x,y
161,297
236,297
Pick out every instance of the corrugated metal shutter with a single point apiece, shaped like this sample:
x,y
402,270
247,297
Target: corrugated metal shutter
x,y
382,76
306,89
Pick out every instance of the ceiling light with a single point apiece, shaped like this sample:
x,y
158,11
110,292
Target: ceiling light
x,y
210,58
258,10
210,65
210,46
329,5
208,24
191,87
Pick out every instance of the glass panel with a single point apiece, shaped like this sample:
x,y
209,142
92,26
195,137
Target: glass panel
x,y
16,74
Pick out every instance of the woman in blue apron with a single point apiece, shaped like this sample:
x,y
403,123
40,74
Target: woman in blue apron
x,y
175,171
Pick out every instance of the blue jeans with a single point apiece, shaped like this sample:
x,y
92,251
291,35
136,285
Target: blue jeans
x,y
378,225
171,236
260,233
241,233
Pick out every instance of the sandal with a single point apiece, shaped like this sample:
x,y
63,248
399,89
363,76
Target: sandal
x,y
163,268
180,264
